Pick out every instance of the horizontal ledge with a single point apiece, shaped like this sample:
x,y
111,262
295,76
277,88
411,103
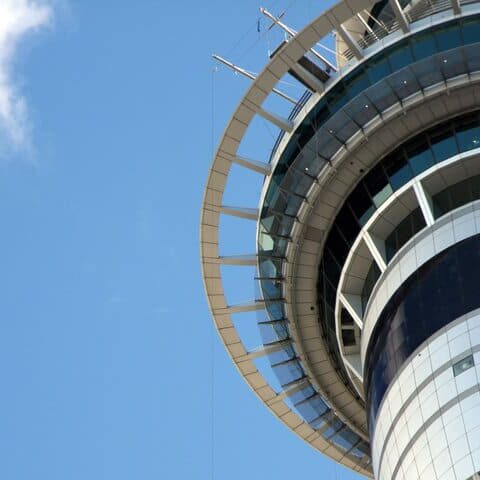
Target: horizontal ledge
x,y
243,307
242,260
242,212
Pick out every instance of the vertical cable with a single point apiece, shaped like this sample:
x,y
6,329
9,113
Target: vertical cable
x,y
212,339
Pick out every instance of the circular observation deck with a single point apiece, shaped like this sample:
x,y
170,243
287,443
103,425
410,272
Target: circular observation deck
x,y
357,175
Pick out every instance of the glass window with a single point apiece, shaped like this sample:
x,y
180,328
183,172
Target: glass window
x,y
378,68
404,231
463,365
346,439
468,134
440,291
302,394
288,372
348,337
334,425
345,318
378,185
273,331
357,82
348,225
361,204
419,155
456,195
400,57
448,37
338,246
452,63
471,31
371,279
361,110
312,408
427,72
337,97
423,45
444,144
397,169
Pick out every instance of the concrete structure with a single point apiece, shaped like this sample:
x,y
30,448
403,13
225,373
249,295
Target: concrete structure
x,y
368,238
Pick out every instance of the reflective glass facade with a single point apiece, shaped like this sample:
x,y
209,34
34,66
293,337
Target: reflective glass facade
x,y
439,292
352,102
306,401
391,173
456,195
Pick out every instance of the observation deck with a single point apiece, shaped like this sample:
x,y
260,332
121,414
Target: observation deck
x,y
373,174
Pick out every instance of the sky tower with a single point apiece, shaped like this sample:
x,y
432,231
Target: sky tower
x,y
367,236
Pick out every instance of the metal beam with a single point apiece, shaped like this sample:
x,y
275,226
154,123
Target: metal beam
x,y
350,41
244,307
424,202
354,362
375,251
400,15
290,390
241,260
267,349
457,9
292,33
353,305
260,167
251,76
280,122
248,213
309,80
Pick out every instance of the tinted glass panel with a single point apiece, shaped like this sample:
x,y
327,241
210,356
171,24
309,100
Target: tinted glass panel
x,y
439,292
456,195
444,144
404,231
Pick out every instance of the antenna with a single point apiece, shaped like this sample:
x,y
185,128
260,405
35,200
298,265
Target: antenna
x,y
292,33
249,75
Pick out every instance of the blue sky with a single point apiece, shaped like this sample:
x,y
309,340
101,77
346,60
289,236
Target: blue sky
x,y
109,362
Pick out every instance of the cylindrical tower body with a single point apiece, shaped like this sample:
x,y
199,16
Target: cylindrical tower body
x,y
368,238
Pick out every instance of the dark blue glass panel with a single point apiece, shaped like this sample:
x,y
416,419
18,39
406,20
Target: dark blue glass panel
x,y
361,204
397,169
448,38
471,31
370,281
423,45
378,68
443,143
400,57
439,292
468,134
403,232
419,155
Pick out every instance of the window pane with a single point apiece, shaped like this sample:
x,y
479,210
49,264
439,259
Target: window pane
x,y
463,365
423,46
401,57
361,204
448,37
398,170
444,144
419,155
468,135
378,185
370,281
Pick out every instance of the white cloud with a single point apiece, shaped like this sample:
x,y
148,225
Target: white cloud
x,y
18,18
